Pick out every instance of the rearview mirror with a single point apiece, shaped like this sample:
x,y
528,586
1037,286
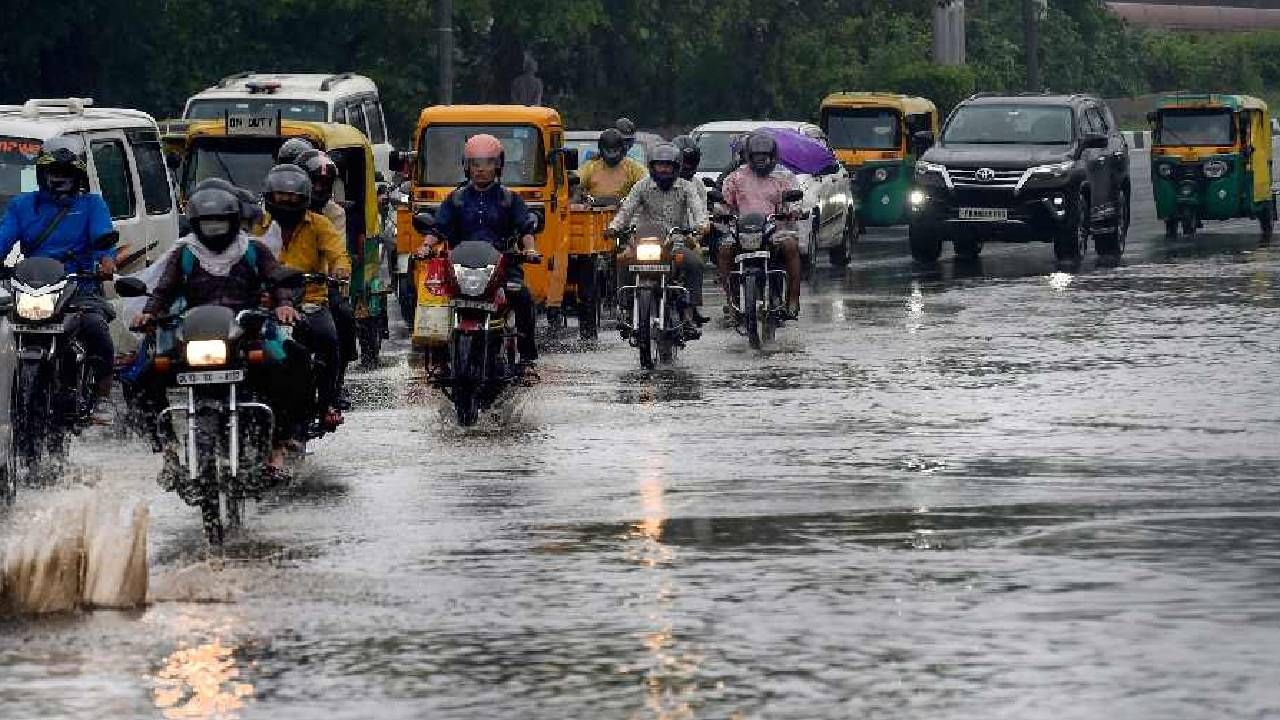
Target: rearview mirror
x,y
184,226
173,160
793,196
106,241
287,278
715,196
401,159
924,139
534,224
1095,140
424,223
6,300
1151,117
708,182
130,287
570,159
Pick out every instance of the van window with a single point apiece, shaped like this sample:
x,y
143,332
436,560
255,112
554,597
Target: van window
x,y
355,118
151,171
340,114
114,177
377,129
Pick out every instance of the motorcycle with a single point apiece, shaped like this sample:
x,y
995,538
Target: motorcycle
x,y
654,296
757,289
54,388
480,360
213,426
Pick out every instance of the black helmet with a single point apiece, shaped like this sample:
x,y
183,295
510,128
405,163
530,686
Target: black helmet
x,y
690,155
323,172
287,194
664,154
762,153
291,149
60,166
628,130
250,209
613,147
214,213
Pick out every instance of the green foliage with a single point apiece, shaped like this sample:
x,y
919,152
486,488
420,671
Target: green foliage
x,y
665,63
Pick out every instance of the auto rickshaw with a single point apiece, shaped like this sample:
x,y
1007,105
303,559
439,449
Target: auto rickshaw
x,y
243,153
1211,160
878,137
539,169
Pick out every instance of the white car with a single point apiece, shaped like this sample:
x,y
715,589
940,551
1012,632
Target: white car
x,y
345,98
828,197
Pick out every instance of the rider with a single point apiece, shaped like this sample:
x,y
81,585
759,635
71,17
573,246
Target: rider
x,y
660,202
64,221
611,174
220,264
482,209
628,129
690,158
290,149
757,187
309,243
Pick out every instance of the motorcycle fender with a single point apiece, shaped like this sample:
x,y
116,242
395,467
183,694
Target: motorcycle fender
x,y
470,323
33,353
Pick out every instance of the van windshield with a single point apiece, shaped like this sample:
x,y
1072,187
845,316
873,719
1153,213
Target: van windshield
x,y
1010,125
1194,127
216,109
440,154
863,128
17,167
243,162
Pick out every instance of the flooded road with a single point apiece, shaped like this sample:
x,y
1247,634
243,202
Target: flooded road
x,y
985,490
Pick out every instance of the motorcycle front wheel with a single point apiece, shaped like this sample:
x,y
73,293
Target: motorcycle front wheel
x,y
466,396
750,313
644,326
218,512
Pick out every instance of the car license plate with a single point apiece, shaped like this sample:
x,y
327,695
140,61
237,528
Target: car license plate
x,y
649,268
990,214
211,377
473,305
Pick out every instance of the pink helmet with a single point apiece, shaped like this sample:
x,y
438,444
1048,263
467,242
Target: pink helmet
x,y
482,146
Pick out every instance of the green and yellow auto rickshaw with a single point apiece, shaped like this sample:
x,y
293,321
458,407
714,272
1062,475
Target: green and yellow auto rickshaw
x,y
1211,160
878,137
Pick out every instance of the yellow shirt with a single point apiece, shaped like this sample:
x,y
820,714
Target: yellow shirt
x,y
314,246
600,180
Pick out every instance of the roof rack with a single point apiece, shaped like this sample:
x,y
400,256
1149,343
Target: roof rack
x,y
329,81
73,106
237,76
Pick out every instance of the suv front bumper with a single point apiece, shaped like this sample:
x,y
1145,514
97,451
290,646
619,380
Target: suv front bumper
x,y
1035,213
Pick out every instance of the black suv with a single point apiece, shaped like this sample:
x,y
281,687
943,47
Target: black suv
x,y
1022,168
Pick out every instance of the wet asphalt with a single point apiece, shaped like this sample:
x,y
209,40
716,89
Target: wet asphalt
x,y
985,490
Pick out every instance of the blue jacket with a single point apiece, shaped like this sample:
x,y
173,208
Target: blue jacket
x,y
492,215
30,213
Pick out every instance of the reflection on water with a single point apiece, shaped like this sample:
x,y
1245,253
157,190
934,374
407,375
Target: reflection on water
x,y
201,682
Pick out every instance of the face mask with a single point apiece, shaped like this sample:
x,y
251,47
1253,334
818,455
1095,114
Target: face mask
x,y
213,228
217,243
664,182
611,157
762,165
288,217
61,184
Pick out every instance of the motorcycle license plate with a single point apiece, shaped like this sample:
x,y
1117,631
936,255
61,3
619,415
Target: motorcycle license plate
x,y
473,305
211,377
763,254
39,329
988,214
649,268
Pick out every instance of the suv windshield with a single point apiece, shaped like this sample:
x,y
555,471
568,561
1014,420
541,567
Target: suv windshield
x,y
1010,125
1194,127
17,167
862,128
243,162
717,151
440,154
312,110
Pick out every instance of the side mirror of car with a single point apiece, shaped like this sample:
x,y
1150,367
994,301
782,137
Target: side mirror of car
x,y
130,287
570,159
173,160
424,223
793,196
184,226
287,278
715,196
1095,141
923,139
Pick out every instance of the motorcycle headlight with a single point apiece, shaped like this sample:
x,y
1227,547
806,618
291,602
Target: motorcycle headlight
x,y
751,241
36,307
473,281
1164,170
1215,169
1054,170
206,353
648,252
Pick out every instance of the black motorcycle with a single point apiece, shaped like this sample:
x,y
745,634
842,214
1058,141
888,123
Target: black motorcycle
x,y
757,288
655,296
54,386
213,425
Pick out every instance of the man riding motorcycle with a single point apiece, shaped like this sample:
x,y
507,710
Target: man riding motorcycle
x,y
309,243
660,202
628,130
290,149
611,174
62,220
220,264
758,187
482,209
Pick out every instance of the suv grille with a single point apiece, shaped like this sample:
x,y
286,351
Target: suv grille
x,y
984,177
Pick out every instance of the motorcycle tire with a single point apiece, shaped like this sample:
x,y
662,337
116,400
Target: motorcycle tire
x,y
38,435
369,333
9,462
214,505
668,347
750,312
466,395
644,327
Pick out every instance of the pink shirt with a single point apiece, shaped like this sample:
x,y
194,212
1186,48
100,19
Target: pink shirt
x,y
747,192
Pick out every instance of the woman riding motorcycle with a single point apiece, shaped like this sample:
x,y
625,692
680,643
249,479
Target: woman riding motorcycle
x,y
220,264
660,202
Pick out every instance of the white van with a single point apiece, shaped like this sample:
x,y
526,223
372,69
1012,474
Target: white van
x,y
344,98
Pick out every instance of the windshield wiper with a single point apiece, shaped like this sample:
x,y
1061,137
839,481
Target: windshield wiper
x,y
226,168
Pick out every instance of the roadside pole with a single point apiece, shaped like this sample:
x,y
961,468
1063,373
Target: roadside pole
x,y
444,50
1032,11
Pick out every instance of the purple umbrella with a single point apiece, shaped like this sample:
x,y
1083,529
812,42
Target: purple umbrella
x,y
800,153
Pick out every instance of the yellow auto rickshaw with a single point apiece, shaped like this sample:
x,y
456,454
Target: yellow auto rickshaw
x,y
242,150
1211,160
878,137
539,169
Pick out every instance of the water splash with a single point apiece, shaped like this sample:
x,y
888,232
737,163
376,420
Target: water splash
x,y
1060,281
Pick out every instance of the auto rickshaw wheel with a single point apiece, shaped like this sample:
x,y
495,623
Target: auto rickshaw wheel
x,y
1267,220
1171,228
1189,225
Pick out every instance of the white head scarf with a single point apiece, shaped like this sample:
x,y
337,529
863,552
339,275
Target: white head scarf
x,y
218,264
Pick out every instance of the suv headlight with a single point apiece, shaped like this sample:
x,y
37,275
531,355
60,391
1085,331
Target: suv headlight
x,y
206,353
473,281
924,168
36,307
1215,169
1052,170
648,252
